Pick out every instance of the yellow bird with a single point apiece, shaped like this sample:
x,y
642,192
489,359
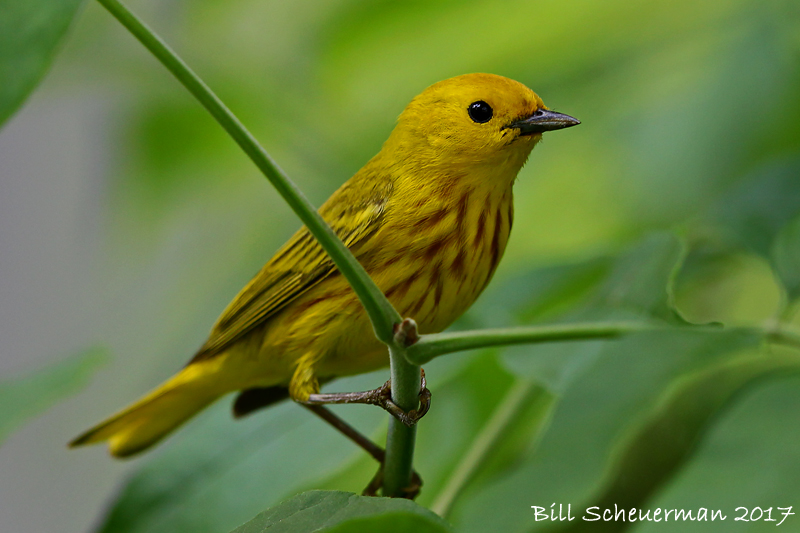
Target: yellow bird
x,y
428,217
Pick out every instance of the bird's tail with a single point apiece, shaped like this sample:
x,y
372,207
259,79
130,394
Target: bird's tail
x,y
154,416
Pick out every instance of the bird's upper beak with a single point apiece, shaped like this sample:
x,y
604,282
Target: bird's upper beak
x,y
544,120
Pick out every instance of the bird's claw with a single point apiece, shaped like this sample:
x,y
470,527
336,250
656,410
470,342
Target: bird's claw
x,y
383,398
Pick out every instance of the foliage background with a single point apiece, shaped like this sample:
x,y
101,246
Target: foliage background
x,y
128,220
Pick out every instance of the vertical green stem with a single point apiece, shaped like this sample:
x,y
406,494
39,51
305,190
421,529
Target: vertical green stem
x,y
381,312
405,376
398,466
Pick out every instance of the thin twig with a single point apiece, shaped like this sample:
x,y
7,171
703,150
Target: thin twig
x,y
366,444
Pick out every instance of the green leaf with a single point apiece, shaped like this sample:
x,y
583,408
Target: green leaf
x,y
667,440
27,397
756,209
30,32
637,285
539,294
786,257
759,214
390,522
604,400
217,472
722,285
344,512
637,282
749,458
641,280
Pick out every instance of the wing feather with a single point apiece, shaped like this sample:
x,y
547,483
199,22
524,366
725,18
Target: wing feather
x,y
299,265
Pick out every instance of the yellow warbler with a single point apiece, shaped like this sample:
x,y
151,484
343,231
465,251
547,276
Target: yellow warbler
x,y
428,218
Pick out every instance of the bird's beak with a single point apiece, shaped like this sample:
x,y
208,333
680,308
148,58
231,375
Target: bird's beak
x,y
544,120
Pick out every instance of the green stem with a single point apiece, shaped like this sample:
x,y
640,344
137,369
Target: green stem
x,y
405,376
380,311
405,361
482,446
431,346
398,466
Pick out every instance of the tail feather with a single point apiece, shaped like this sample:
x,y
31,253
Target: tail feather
x,y
153,417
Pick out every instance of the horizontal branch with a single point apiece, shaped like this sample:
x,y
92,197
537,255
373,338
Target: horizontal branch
x,y
431,346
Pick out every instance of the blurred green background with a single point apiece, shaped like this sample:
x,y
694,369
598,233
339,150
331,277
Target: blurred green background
x,y
128,220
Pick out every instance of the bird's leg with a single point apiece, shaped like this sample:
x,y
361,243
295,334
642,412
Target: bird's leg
x,y
405,333
378,453
382,396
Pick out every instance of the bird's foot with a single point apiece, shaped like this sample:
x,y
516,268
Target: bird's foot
x,y
382,397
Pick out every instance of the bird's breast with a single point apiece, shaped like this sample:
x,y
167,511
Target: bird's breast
x,y
431,261
446,250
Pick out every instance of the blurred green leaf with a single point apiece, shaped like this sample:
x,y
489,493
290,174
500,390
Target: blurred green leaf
x,y
752,212
749,458
641,279
539,294
786,256
27,397
725,285
30,32
622,420
658,450
757,215
637,284
603,402
607,389
464,406
217,472
344,512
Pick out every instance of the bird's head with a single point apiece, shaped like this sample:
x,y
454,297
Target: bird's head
x,y
474,120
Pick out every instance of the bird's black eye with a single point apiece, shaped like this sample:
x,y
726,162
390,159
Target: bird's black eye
x,y
480,111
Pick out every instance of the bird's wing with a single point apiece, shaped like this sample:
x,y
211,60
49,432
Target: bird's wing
x,y
299,265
